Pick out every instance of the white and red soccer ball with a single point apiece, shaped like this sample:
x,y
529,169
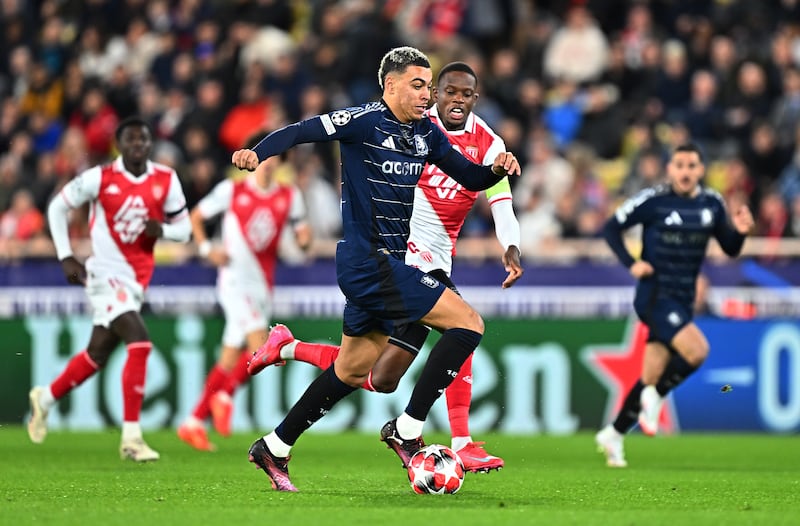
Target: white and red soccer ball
x,y
436,469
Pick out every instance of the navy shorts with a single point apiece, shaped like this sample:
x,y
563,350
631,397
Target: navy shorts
x,y
412,336
383,292
664,317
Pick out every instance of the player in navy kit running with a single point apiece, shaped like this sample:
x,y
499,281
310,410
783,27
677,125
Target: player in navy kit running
x,y
384,147
440,207
678,219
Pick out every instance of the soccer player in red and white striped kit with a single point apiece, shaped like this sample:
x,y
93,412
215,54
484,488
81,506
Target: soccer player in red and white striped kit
x,y
134,202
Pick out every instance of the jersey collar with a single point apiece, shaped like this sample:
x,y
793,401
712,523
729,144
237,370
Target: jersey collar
x,y
120,167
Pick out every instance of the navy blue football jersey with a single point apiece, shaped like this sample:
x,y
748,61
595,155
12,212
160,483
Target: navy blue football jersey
x,y
382,160
675,235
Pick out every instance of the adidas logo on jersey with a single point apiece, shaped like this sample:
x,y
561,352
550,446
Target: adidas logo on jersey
x,y
674,218
388,143
113,189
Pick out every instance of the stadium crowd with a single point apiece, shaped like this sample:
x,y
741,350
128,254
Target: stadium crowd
x,y
591,96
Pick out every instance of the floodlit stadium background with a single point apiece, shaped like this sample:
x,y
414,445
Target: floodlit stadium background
x,y
590,96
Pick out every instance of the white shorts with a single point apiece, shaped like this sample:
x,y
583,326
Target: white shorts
x,y
245,311
112,297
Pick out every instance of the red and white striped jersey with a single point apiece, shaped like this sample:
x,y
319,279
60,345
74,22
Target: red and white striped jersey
x,y
121,203
441,204
251,227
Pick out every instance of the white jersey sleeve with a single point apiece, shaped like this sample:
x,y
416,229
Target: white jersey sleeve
x,y
498,146
175,203
83,188
217,201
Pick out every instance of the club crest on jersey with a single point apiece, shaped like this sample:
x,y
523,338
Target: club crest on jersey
x,y
429,281
706,217
340,117
158,191
420,145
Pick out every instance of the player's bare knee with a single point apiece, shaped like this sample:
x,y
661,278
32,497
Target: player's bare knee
x,y
697,355
474,322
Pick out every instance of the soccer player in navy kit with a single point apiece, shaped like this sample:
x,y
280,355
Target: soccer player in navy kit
x,y
678,219
384,147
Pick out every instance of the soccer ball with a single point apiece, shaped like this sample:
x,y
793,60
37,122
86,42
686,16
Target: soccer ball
x,y
435,469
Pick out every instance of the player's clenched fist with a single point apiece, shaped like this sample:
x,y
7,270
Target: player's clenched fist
x,y
506,164
245,159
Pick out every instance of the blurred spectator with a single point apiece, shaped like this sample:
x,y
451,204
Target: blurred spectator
x,y
749,101
44,93
22,221
702,115
674,80
546,174
10,181
91,52
764,157
322,200
538,226
785,114
135,50
51,50
773,217
578,51
247,117
739,181
97,120
646,171
201,175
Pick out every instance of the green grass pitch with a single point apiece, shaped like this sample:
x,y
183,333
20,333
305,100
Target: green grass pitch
x,y
352,479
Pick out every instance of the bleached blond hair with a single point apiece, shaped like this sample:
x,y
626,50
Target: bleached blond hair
x,y
398,59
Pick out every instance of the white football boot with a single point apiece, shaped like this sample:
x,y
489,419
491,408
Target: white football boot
x,y
651,403
37,425
610,442
137,450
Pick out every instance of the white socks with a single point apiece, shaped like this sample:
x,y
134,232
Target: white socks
x,y
278,447
409,427
460,442
46,400
287,351
131,431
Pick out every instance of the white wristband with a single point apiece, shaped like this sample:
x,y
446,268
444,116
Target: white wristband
x,y
204,248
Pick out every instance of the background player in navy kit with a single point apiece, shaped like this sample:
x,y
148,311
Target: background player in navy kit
x,y
678,219
384,147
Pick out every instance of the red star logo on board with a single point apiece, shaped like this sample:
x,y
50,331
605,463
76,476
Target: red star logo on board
x,y
619,366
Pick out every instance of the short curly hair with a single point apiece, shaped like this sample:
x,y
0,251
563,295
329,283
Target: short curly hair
x,y
398,59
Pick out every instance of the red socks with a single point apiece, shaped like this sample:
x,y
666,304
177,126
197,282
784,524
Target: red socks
x,y
79,368
133,378
216,379
321,355
238,375
459,396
